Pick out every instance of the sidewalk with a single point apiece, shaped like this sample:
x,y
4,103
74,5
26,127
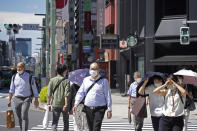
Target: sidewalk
x,y
120,107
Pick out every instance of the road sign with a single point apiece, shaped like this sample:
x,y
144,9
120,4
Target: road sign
x,y
109,41
30,26
63,47
86,47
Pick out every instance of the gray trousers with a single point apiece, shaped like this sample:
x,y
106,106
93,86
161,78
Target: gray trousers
x,y
138,121
56,114
22,105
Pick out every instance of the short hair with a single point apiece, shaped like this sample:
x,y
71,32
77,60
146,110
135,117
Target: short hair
x,y
61,68
136,74
157,77
95,63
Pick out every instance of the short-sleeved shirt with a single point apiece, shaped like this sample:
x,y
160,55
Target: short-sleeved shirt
x,y
62,91
156,102
132,89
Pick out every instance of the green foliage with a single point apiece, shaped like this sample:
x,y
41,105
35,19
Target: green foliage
x,y
43,94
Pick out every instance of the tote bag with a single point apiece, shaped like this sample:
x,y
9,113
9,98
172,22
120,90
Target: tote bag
x,y
139,108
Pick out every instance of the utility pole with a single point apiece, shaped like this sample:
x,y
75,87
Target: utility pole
x,y
52,51
47,39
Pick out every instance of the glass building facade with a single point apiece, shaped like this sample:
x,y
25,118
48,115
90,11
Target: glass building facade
x,y
24,46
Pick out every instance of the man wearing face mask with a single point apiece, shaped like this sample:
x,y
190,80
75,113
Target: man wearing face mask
x,y
58,93
155,102
21,89
97,100
132,92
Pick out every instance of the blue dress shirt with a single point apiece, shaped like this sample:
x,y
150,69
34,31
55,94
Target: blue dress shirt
x,y
132,89
99,95
20,86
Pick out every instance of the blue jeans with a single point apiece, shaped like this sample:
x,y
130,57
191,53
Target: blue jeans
x,y
56,115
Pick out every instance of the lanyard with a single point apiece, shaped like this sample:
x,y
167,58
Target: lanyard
x,y
173,95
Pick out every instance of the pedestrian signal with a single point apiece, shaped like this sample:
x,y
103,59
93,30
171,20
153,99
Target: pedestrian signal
x,y
184,36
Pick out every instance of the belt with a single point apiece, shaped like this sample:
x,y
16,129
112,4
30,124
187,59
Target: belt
x,y
22,97
95,107
133,97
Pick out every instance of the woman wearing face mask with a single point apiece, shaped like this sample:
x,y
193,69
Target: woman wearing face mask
x,y
188,88
155,102
173,109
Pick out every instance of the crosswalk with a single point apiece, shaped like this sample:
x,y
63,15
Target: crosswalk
x,y
107,126
5,97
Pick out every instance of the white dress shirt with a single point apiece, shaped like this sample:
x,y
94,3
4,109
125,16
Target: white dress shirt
x,y
99,95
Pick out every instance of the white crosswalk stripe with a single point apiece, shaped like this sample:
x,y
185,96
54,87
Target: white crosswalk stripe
x,y
106,126
6,97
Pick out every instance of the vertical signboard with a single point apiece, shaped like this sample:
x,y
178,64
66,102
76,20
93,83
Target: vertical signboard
x,y
87,21
100,17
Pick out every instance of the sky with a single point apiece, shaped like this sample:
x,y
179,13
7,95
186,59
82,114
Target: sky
x,y
22,12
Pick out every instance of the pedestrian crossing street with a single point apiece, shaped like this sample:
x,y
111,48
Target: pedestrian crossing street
x,y
107,126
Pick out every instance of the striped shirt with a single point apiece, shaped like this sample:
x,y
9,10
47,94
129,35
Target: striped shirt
x,y
21,87
132,89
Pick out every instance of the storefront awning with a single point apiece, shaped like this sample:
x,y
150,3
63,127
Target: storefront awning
x,y
175,60
169,27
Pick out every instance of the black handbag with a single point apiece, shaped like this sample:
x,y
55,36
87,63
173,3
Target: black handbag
x,y
189,104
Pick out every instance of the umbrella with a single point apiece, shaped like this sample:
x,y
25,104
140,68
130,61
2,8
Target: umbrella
x,y
189,76
150,76
77,76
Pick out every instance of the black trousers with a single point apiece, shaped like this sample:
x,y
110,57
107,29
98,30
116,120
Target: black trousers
x,y
95,117
155,122
171,123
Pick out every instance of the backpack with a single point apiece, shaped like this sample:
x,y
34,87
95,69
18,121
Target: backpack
x,y
30,82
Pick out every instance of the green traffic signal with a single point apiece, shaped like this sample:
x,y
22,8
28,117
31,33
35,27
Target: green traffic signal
x,y
6,26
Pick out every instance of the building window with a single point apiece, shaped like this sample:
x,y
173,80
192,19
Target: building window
x,y
174,7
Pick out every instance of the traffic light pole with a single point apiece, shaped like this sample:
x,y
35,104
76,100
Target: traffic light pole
x,y
47,39
52,51
189,22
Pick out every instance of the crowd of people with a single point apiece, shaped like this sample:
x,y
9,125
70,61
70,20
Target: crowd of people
x,y
167,102
89,101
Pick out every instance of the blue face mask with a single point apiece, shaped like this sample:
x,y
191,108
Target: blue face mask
x,y
172,87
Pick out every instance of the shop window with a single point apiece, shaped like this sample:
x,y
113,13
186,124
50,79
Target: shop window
x,y
140,65
174,7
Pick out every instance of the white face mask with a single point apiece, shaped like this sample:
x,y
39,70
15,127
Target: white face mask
x,y
93,73
138,80
158,84
20,72
180,81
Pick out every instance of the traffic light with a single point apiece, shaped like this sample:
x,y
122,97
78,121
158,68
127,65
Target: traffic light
x,y
184,36
14,27
8,27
